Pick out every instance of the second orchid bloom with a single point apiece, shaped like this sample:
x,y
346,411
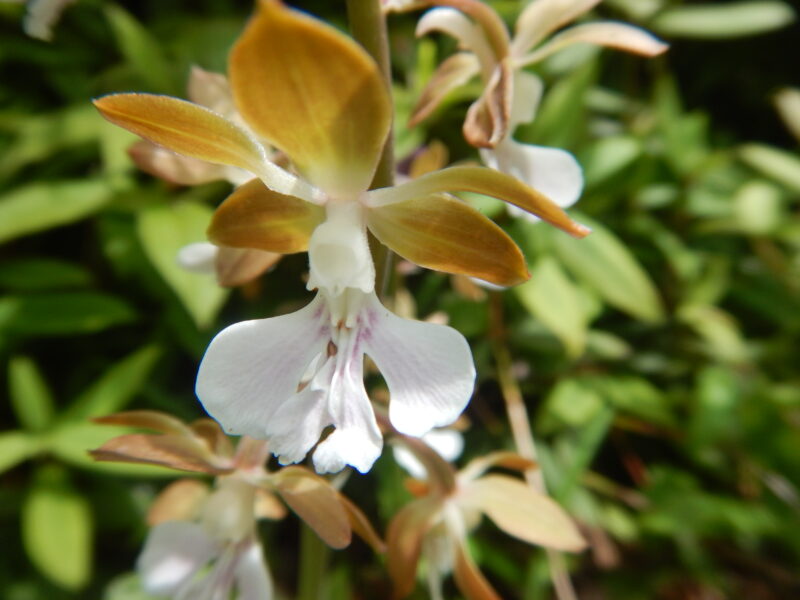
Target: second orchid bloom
x,y
314,94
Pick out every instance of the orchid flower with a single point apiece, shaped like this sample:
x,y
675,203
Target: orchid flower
x,y
435,525
511,95
319,98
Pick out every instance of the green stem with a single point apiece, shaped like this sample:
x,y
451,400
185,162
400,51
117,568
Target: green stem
x,y
314,555
368,26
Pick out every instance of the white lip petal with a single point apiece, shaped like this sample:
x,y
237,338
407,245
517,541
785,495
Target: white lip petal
x,y
553,172
252,576
528,90
252,368
173,553
297,425
356,441
427,367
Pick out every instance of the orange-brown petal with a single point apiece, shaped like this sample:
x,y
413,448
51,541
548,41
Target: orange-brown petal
x,y
454,72
185,128
482,181
317,503
468,577
313,93
404,542
487,119
254,216
442,233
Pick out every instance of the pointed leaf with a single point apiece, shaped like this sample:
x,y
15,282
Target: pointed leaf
x,y
317,503
728,20
482,181
115,388
42,275
603,262
31,398
40,206
554,299
15,447
520,511
163,231
313,93
57,530
446,234
256,217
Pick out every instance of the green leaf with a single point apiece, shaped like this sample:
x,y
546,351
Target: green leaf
x,y
163,230
772,162
16,446
42,274
552,297
728,20
41,206
71,442
608,157
31,399
57,529
718,331
757,207
116,387
571,402
40,136
140,49
65,313
603,262
126,587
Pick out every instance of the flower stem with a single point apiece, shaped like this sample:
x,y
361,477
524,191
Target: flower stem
x,y
368,26
522,434
314,555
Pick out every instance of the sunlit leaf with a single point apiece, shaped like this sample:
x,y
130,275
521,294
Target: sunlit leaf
x,y
39,206
727,20
16,446
31,398
57,530
163,231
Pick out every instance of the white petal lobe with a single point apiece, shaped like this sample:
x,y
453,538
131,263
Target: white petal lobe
x,y
427,367
252,368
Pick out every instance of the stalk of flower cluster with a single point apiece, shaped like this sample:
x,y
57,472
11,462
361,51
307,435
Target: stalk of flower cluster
x,y
523,436
367,26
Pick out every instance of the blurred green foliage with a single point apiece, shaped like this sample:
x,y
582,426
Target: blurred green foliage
x,y
657,355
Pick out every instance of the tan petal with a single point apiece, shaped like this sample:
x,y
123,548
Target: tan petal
x,y
469,579
237,266
482,181
467,288
454,72
184,127
148,419
316,502
523,512
442,233
361,525
486,17
180,501
211,90
469,35
507,460
314,94
166,450
488,118
254,216
251,454
542,17
612,35
431,158
211,433
175,168
404,541
267,506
